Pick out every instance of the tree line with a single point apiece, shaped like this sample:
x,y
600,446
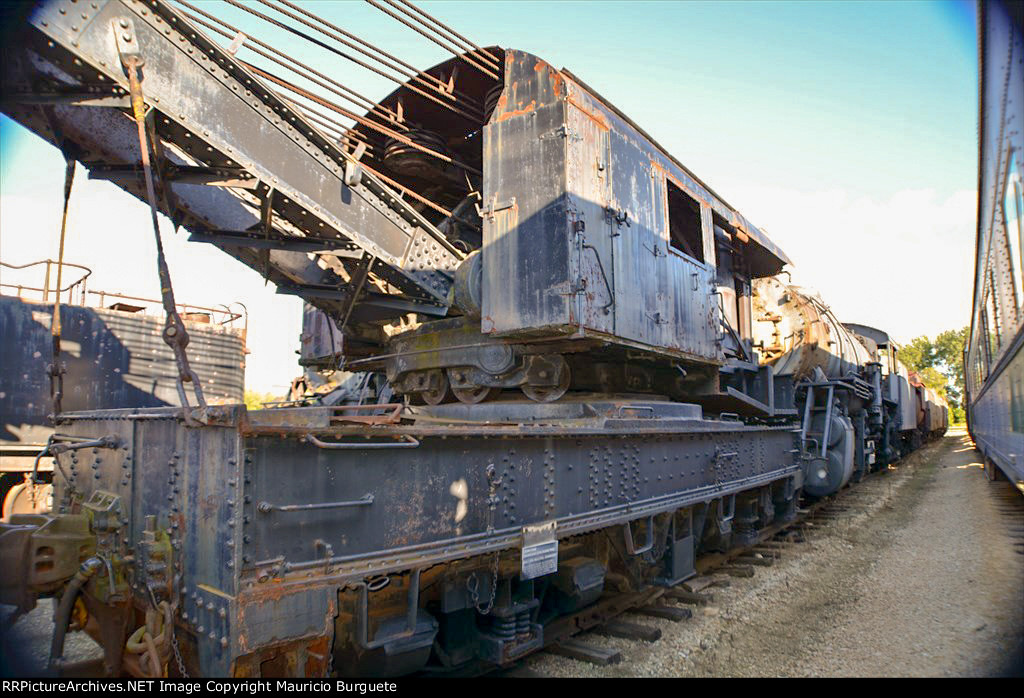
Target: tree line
x,y
940,365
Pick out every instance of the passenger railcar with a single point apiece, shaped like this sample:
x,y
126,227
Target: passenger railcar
x,y
994,356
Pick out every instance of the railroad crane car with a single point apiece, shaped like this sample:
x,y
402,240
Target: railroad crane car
x,y
565,310
994,355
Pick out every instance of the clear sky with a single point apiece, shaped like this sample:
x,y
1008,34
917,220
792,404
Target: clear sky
x,y
846,130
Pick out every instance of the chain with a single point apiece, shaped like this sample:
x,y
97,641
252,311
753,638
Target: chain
x,y
177,654
472,583
494,586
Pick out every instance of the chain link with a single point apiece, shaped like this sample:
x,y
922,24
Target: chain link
x,y
472,583
177,655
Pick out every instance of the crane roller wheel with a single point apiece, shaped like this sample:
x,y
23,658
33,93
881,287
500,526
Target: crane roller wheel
x,y
545,393
474,395
440,392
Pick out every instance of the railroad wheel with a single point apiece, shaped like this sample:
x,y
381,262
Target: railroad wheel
x,y
550,393
472,396
440,392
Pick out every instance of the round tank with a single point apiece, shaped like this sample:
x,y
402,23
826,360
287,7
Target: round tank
x,y
795,332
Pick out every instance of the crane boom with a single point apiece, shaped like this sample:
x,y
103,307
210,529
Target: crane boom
x,y
239,166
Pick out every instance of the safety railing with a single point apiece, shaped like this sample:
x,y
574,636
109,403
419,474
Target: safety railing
x,y
76,290
77,293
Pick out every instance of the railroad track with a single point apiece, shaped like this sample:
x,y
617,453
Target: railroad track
x,y
608,618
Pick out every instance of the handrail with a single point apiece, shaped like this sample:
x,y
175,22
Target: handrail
x,y
184,307
227,312
46,290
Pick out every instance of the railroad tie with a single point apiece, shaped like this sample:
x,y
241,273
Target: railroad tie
x,y
628,631
698,584
665,612
684,596
739,570
574,649
754,560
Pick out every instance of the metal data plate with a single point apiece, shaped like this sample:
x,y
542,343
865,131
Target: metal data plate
x,y
540,550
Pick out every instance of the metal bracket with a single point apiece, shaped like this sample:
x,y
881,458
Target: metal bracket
x,y
655,250
619,216
627,531
493,206
363,613
619,413
353,173
561,132
127,45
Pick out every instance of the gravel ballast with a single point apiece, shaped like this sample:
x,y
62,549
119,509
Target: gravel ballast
x,y
919,576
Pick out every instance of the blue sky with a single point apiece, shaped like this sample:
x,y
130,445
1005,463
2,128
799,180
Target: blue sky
x,y
846,130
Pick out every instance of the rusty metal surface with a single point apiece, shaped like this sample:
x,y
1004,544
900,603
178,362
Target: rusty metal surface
x,y
565,174
273,514
796,333
113,359
264,137
255,574
574,225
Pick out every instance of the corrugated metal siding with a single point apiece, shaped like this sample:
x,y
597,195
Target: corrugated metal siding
x,y
113,359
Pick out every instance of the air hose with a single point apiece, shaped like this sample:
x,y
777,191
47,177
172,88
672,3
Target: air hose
x,y
62,617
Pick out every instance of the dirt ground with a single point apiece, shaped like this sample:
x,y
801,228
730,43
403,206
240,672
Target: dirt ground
x,y
923,575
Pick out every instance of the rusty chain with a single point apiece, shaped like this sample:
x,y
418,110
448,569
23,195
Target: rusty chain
x,y
472,583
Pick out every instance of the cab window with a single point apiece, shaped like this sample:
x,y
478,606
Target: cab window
x,y
684,223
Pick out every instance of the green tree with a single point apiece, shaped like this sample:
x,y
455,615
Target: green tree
x,y
918,354
940,365
254,400
931,377
949,350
